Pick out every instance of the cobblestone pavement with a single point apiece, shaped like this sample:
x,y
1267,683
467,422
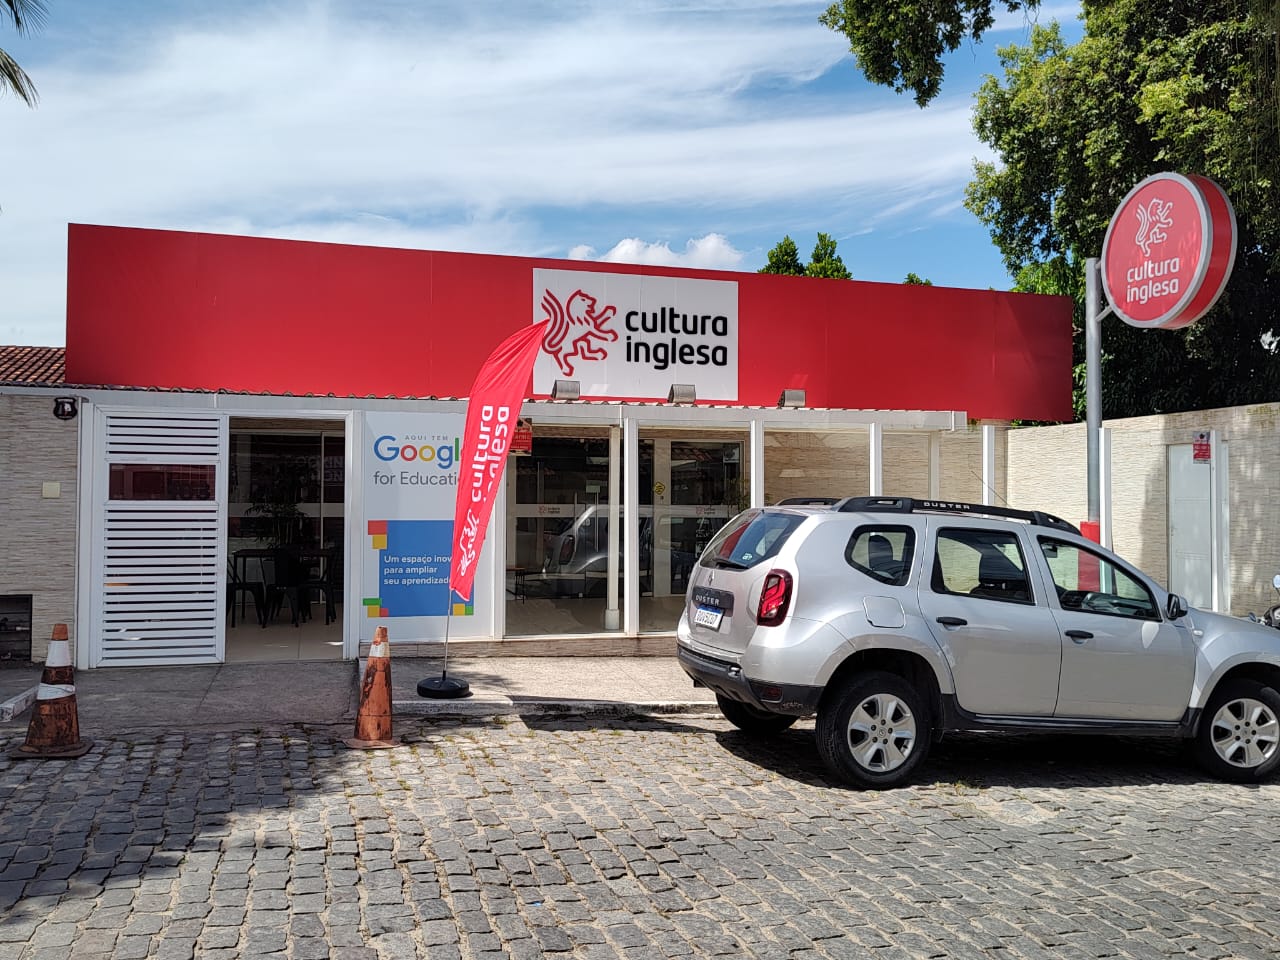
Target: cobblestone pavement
x,y
653,838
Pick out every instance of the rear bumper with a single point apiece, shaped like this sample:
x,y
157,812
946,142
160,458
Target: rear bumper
x,y
726,679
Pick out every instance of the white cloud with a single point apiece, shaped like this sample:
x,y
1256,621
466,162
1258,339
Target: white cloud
x,y
712,252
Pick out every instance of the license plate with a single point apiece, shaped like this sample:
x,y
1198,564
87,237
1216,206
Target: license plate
x,y
706,617
714,599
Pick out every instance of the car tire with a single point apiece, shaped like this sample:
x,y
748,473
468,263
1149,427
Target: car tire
x,y
751,719
875,731
1239,734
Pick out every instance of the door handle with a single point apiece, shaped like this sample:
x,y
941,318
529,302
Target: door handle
x,y
953,622
1079,636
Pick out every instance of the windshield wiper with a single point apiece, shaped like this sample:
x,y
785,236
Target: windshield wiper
x,y
723,562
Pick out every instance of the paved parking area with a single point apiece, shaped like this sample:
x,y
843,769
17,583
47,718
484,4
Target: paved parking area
x,y
651,838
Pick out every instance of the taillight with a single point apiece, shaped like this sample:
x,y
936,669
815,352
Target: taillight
x,y
774,598
566,550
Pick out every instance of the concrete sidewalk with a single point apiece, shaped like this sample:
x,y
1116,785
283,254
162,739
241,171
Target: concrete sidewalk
x,y
551,684
115,701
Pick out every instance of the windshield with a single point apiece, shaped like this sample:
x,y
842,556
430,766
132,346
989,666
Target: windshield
x,y
750,538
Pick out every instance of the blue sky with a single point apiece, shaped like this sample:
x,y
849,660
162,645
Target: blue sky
x,y
624,130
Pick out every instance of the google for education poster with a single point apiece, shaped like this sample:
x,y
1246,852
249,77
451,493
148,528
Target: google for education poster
x,y
410,466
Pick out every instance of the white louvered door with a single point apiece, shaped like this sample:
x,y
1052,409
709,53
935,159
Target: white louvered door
x,y
159,553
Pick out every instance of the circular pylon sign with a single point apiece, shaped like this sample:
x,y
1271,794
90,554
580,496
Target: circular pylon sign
x,y
1169,251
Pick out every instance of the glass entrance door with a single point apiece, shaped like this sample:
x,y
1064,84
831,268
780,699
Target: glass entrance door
x,y
689,489
558,537
285,539
559,534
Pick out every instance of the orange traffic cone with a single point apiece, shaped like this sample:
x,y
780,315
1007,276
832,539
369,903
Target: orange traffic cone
x,y
54,731
373,718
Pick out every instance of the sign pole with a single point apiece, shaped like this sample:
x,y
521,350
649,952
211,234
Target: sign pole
x,y
1166,258
1094,312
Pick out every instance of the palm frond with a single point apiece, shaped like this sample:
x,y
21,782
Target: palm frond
x,y
26,14
14,78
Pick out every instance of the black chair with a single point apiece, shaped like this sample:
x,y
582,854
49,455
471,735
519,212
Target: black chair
x,y
285,575
327,583
237,588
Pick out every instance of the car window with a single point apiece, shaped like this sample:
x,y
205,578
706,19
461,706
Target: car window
x,y
882,552
981,563
1091,583
750,538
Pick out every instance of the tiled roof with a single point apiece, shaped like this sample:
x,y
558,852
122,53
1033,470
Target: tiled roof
x,y
36,366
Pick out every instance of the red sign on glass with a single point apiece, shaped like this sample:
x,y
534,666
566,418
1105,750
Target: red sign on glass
x,y
522,438
1200,450
1169,251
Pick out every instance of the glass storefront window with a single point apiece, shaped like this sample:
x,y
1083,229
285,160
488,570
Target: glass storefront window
x,y
161,481
335,469
285,488
559,535
560,478
563,470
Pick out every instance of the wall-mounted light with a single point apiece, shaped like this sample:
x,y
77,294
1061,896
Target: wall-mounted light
x,y
791,398
566,390
64,408
681,393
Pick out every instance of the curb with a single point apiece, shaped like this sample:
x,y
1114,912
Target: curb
x,y
496,706
17,704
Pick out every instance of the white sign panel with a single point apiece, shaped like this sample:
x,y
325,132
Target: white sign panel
x,y
625,335
409,473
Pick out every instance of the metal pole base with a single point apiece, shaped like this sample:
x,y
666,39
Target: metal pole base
x,y
443,687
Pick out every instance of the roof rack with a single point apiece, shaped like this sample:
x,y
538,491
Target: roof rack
x,y
807,502
912,505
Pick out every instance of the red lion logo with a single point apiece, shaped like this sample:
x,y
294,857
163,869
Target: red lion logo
x,y
576,325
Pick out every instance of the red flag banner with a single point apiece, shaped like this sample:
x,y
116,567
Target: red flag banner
x,y
492,411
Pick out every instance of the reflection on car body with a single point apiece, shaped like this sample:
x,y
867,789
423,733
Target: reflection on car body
x,y
575,561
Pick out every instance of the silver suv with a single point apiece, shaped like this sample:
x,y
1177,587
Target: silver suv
x,y
895,620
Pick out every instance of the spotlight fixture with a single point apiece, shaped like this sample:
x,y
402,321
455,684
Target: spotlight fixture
x,y
681,393
566,390
791,398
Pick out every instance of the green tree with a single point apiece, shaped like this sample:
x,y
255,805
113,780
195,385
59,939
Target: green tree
x,y
915,279
25,16
825,262
784,259
1076,126
901,43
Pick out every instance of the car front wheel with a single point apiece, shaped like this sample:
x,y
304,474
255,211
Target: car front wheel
x,y
875,731
1239,735
748,719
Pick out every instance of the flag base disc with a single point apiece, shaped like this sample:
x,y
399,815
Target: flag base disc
x,y
443,688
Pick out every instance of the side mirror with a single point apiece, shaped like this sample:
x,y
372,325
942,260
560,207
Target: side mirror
x,y
1176,607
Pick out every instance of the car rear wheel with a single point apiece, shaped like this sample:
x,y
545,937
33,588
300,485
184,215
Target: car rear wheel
x,y
751,720
1239,735
875,731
